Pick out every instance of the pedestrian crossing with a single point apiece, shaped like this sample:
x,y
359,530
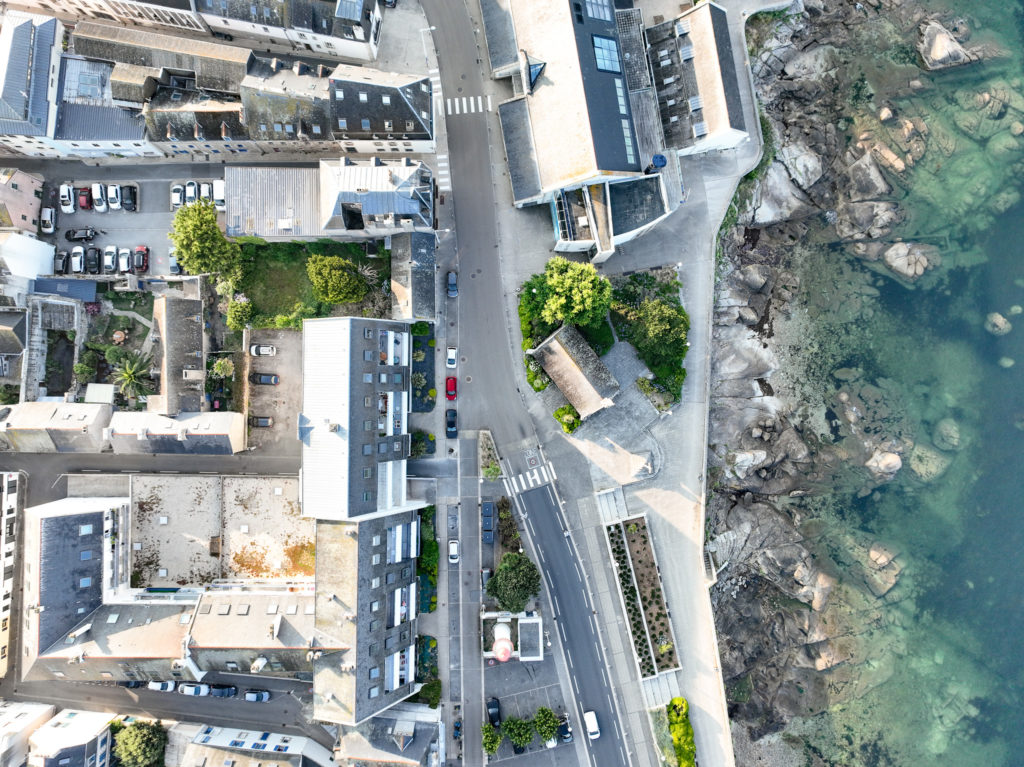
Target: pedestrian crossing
x,y
444,178
465,105
527,480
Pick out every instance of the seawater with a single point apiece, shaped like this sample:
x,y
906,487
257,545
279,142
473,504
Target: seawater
x,y
953,628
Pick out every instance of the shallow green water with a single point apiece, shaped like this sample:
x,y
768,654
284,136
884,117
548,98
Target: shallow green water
x,y
953,628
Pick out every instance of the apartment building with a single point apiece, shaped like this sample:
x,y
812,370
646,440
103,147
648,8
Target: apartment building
x,y
18,720
21,196
11,498
73,739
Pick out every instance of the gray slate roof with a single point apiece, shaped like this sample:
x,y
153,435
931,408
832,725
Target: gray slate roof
x,y
188,115
413,267
181,344
12,332
517,133
500,33
23,99
576,370
87,122
635,203
325,17
83,290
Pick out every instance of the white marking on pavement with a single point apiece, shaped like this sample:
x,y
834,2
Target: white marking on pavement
x,y
464,104
508,488
551,467
568,657
479,103
488,102
544,475
540,552
576,685
534,477
576,567
515,487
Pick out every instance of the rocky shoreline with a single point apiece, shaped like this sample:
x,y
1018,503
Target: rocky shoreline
x,y
803,620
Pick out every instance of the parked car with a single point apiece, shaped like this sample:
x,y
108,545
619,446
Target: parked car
x,y
92,260
453,552
172,262
191,192
129,196
110,259
453,357
257,696
223,691
114,196
131,684
494,712
80,235
141,262
124,260
262,350
485,575
85,198
565,729
206,192
78,259
162,686
451,424
48,221
264,379
190,688
61,262
177,196
99,198
451,387
453,285
219,201
261,421
67,199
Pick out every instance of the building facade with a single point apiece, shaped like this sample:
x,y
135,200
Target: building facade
x,y
18,721
11,498
73,739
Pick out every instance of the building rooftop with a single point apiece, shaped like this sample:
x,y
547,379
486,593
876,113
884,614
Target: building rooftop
x,y
26,256
413,274
636,202
355,193
69,416
253,620
138,631
178,323
520,150
26,46
272,202
179,114
399,737
86,110
211,432
69,728
12,332
81,290
577,371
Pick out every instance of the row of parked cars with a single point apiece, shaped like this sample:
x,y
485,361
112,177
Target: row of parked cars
x,y
214,690
192,191
113,260
262,379
97,197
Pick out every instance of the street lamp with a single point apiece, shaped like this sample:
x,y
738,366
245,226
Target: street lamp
x,y
437,237
426,59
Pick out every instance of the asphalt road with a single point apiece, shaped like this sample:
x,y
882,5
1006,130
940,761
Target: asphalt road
x,y
577,626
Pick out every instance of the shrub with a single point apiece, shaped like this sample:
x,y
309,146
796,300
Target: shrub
x,y
568,417
681,730
141,744
418,380
336,280
429,555
492,470
240,313
490,737
518,731
114,355
224,367
546,723
535,375
430,693
420,328
84,373
516,580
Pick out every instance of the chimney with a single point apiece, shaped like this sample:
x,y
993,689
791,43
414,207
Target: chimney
x,y
275,64
322,71
299,68
224,134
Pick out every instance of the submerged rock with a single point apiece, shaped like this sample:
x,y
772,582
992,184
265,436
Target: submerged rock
x,y
947,435
866,220
884,465
1006,362
928,463
909,260
997,324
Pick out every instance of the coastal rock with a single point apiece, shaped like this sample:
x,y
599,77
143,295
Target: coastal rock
x,y
1007,362
909,260
939,48
865,180
747,316
997,324
866,220
754,276
884,465
804,165
885,114
947,435
778,199
745,461
928,463
811,64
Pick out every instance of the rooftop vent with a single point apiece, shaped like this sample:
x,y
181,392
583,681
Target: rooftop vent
x,y
683,27
700,129
686,52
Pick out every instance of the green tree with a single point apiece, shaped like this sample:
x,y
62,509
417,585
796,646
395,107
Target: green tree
x,y
132,375
224,367
679,727
430,693
201,246
83,372
658,331
9,394
546,723
571,292
336,280
430,553
491,738
240,313
141,744
518,731
514,582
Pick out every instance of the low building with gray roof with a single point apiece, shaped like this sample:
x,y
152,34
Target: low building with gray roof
x,y
13,338
576,370
406,735
178,323
54,427
205,433
375,198
20,200
29,60
413,277
273,203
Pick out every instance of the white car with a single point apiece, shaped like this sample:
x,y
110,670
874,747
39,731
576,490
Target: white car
x,y
453,552
190,688
162,686
78,259
177,196
109,259
99,198
256,696
191,192
48,221
262,350
218,195
124,260
453,357
67,199
114,196
205,192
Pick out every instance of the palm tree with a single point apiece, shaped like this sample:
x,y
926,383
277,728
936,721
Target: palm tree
x,y
132,375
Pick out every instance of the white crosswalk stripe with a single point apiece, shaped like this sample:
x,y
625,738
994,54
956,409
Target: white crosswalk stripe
x,y
444,180
464,105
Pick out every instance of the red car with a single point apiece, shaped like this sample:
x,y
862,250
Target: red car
x,y
450,387
85,198
141,261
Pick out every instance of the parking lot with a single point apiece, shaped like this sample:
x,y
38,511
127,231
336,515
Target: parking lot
x,y
281,402
147,225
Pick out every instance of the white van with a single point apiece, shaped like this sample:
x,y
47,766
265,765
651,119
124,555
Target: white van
x,y
218,195
99,198
590,723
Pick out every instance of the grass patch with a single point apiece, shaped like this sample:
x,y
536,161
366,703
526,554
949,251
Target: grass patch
x,y
600,337
140,303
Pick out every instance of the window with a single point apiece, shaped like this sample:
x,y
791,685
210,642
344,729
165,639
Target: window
x,y
85,555
386,100
376,540
84,583
406,572
367,473
367,401
620,93
85,529
375,672
390,578
627,135
376,559
289,128
365,122
316,130
606,51
367,425
409,126
374,691
339,94
374,606
599,9
368,378
368,355
367,449
278,126
382,448
375,583
367,496
398,378
388,125
342,123
362,97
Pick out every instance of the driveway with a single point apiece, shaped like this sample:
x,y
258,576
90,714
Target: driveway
x,y
281,402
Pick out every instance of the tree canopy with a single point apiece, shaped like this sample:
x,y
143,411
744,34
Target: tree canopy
x,y
516,580
336,280
132,375
518,731
567,291
200,245
546,723
491,738
223,367
141,744
659,331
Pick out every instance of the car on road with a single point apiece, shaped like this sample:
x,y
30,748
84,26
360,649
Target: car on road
x,y
189,688
124,260
256,696
453,285
85,198
264,379
131,684
92,260
110,259
78,259
262,350
191,192
494,712
485,575
114,196
141,260
453,552
99,198
48,221
590,723
223,691
261,421
61,262
177,196
85,234
453,357
565,729
451,387
67,199
451,424
162,686
129,197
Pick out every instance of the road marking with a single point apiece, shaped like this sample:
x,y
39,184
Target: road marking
x,y
91,471
129,471
535,477
464,109
576,567
438,103
540,552
604,676
554,601
479,103
576,685
568,657
488,102
544,475
508,488
551,468
168,472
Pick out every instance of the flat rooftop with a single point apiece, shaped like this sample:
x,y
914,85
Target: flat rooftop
x,y
254,620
